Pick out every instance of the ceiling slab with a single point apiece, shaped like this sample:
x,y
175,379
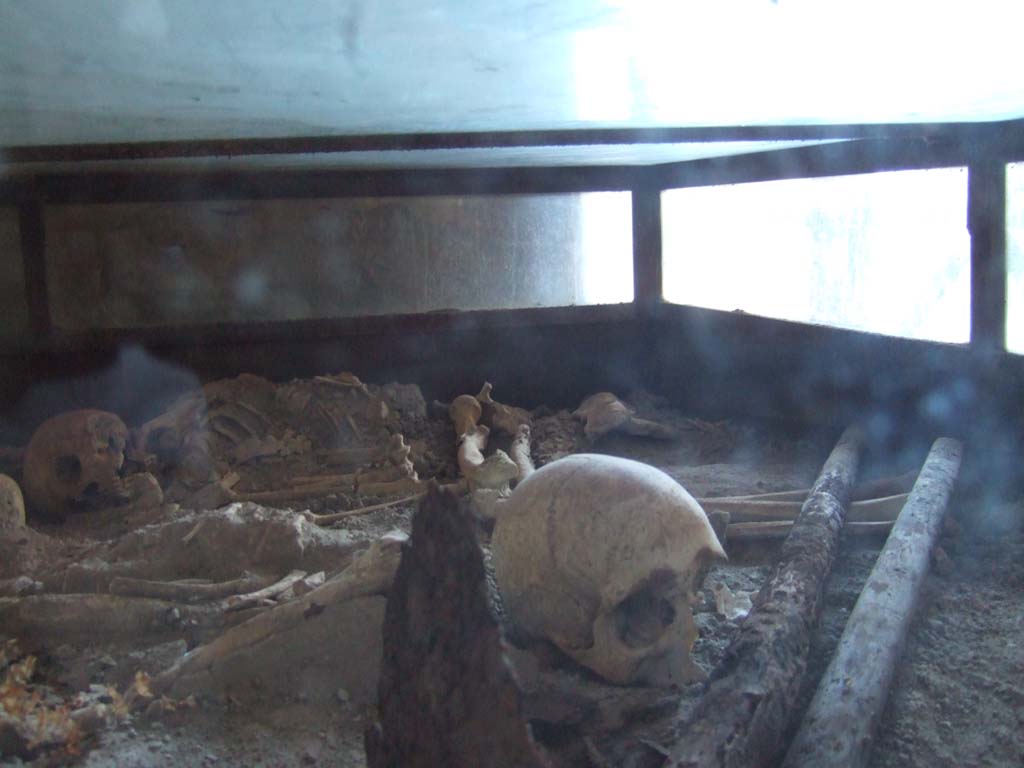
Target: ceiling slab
x,y
110,71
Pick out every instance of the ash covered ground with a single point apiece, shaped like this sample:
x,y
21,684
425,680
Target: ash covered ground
x,y
958,699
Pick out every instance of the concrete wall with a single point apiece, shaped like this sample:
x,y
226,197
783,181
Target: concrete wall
x,y
119,266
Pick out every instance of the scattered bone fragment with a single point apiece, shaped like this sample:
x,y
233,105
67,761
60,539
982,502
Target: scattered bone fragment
x,y
255,393
241,602
870,490
599,555
496,471
385,481
218,545
465,412
238,425
185,591
603,412
351,480
501,417
471,449
520,452
306,644
731,605
344,380
73,462
338,516
294,493
83,618
754,509
780,529
374,569
306,585
394,450
12,504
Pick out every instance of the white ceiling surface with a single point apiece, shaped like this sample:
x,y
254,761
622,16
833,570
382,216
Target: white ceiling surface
x,y
84,71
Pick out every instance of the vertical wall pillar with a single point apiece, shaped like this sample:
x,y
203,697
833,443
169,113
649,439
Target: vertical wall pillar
x,y
986,221
647,277
32,229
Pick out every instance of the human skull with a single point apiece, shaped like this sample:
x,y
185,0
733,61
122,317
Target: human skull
x,y
73,461
602,413
600,555
12,505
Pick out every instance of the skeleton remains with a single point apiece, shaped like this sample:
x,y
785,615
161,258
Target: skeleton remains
x,y
259,525
599,555
497,471
604,412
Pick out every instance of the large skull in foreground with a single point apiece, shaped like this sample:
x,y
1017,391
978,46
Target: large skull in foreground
x,y
73,461
599,555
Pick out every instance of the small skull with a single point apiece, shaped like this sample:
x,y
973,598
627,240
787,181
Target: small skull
x,y
12,505
600,556
73,462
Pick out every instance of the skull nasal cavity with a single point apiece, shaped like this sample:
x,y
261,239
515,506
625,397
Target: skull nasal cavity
x,y
642,617
68,469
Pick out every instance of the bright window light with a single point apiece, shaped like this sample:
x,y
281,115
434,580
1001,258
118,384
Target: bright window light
x,y
884,252
606,248
1015,257
748,61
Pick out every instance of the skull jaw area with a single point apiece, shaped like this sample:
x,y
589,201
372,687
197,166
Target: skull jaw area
x,y
664,662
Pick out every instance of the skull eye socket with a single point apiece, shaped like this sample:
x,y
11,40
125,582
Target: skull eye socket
x,y
642,617
68,469
115,444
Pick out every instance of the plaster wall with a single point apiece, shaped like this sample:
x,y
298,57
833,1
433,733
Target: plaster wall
x,y
147,265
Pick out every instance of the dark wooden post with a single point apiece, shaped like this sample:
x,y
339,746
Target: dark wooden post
x,y
647,279
986,220
742,718
839,728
